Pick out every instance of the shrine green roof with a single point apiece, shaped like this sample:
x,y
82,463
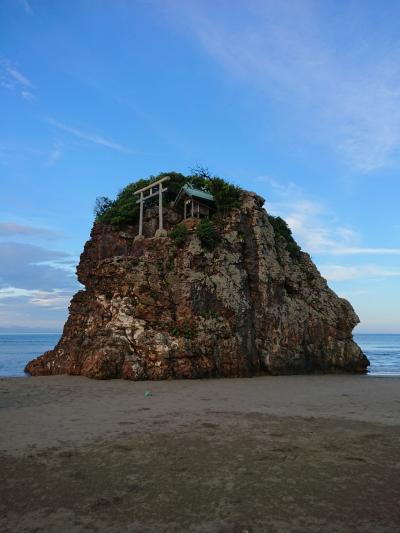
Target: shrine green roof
x,y
198,193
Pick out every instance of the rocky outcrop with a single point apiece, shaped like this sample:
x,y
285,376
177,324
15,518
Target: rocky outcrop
x,y
153,310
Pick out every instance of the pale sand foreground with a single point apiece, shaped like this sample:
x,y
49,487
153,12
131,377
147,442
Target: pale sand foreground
x,y
299,453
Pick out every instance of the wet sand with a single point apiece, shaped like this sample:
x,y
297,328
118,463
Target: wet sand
x,y
294,453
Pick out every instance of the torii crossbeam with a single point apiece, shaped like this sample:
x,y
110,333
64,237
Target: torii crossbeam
x,y
149,192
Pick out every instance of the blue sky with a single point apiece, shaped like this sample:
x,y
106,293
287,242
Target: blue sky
x,y
298,101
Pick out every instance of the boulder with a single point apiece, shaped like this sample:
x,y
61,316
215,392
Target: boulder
x,y
154,310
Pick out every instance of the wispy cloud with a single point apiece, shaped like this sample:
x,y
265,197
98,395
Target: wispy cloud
x,y
27,7
347,92
344,273
89,137
36,284
54,155
12,79
351,250
55,298
33,267
17,76
314,225
12,229
27,95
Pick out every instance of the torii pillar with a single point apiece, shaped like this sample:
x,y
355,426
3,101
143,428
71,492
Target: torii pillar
x,y
145,194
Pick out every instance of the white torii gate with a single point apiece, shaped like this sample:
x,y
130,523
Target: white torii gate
x,y
149,192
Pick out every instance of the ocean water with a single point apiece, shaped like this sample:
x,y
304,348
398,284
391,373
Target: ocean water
x,y
382,350
17,350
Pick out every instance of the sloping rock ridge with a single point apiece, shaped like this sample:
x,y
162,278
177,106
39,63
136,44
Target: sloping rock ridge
x,y
154,310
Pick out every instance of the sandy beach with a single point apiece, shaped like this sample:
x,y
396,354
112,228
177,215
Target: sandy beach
x,y
295,453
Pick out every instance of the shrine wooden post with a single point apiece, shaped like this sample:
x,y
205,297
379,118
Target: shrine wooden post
x,y
160,213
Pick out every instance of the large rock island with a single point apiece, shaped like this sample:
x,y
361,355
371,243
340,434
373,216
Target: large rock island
x,y
180,304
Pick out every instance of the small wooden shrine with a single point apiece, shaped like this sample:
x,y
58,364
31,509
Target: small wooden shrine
x,y
194,203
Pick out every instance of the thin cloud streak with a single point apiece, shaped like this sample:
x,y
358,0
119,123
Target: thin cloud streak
x,y
27,7
90,137
11,229
33,267
55,298
54,155
361,251
314,225
344,273
12,79
17,76
349,97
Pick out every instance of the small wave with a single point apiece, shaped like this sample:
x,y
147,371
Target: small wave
x,y
383,374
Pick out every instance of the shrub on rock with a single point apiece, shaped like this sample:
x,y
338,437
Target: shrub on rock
x,y
207,234
179,234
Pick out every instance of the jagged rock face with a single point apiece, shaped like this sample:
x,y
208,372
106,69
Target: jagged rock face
x,y
152,310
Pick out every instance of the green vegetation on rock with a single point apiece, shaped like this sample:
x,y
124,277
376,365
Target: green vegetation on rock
x,y
282,229
124,210
179,234
226,195
207,234
183,330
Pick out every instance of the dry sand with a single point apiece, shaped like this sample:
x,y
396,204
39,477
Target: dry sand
x,y
295,453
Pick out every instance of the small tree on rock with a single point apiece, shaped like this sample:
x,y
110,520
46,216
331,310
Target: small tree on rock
x,y
207,234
